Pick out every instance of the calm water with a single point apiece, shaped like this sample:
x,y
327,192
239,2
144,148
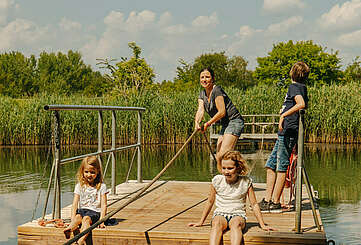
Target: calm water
x,y
333,170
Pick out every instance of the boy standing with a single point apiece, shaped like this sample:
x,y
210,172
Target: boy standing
x,y
277,163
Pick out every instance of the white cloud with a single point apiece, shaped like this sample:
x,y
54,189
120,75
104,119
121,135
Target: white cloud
x,y
350,39
21,32
114,18
204,22
284,26
136,22
278,6
245,32
69,25
345,16
175,30
5,6
165,19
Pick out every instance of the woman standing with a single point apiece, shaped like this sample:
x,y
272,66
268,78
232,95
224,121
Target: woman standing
x,y
220,108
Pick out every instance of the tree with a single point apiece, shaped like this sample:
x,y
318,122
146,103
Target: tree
x,y
129,75
353,71
17,75
229,71
275,68
64,73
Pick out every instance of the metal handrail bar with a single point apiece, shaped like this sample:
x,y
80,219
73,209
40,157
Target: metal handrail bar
x,y
91,107
72,159
57,146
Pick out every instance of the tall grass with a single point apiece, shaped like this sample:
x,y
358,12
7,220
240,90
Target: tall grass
x,y
333,116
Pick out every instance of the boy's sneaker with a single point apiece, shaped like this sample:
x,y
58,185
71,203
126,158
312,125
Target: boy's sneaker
x,y
275,207
264,206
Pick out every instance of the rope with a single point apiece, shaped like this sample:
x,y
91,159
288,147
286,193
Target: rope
x,y
41,181
209,146
214,157
96,224
106,166
131,164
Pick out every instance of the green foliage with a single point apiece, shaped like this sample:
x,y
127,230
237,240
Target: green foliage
x,y
332,116
51,73
229,71
17,76
129,76
353,71
275,68
67,74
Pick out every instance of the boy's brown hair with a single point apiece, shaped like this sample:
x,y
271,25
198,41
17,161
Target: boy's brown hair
x,y
239,161
299,72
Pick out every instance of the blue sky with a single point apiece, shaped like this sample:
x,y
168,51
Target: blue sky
x,y
169,30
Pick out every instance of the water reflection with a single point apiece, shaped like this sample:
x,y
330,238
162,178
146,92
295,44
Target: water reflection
x,y
333,170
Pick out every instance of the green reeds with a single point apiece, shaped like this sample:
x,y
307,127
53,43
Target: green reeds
x,y
333,116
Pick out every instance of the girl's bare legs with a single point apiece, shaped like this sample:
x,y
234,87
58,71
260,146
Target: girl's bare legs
x,y
236,225
85,224
72,226
219,224
225,143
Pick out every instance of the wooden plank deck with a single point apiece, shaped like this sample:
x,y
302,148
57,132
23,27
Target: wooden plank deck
x,y
162,215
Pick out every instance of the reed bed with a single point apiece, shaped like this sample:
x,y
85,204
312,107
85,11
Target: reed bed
x,y
333,116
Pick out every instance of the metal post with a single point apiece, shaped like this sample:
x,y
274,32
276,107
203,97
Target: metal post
x,y
57,193
139,172
310,195
100,134
253,124
113,154
299,173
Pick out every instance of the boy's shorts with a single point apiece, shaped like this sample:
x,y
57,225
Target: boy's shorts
x,y
280,156
94,216
234,127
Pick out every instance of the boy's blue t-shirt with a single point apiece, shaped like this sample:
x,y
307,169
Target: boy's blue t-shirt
x,y
290,123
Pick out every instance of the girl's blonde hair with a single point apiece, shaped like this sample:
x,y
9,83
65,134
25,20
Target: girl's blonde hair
x,y
238,160
94,162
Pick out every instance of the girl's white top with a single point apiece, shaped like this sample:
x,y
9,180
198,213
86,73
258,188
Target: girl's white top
x,y
90,196
231,198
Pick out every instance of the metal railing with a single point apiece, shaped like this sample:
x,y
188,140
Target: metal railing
x,y
55,171
256,127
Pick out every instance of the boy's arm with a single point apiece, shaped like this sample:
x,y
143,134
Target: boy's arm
x,y
207,207
256,210
300,104
103,206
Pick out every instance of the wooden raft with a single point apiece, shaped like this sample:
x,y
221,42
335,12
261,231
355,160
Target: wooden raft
x,y
161,217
